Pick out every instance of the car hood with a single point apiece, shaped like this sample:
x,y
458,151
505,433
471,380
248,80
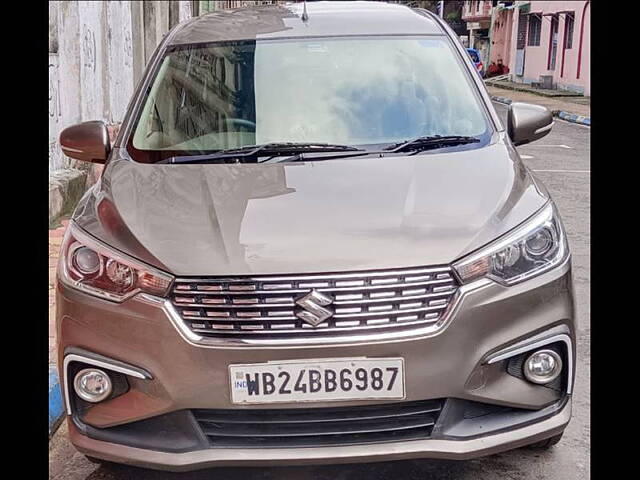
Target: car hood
x,y
324,216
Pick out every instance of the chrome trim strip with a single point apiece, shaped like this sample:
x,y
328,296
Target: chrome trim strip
x,y
545,128
364,288
308,340
117,366
536,342
345,327
313,276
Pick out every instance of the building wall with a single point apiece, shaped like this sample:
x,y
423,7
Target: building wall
x,y
501,37
536,57
476,9
97,53
477,15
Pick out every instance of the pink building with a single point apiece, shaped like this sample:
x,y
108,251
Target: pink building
x,y
477,14
501,28
546,38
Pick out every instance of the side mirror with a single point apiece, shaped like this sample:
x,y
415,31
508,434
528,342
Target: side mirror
x,y
528,123
87,141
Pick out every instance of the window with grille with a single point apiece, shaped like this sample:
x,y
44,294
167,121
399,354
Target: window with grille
x,y
535,28
568,30
522,31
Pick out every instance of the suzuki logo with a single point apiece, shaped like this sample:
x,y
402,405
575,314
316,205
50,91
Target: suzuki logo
x,y
313,307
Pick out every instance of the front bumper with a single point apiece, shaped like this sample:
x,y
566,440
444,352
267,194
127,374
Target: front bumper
x,y
432,448
454,363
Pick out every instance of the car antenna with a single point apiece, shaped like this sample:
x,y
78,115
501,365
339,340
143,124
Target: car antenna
x,y
305,15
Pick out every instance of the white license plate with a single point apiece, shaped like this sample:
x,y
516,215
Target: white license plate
x,y
318,380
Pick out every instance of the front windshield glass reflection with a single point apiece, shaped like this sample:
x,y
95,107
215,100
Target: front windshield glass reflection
x,y
355,91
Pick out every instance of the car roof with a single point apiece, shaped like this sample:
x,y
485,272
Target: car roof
x,y
285,21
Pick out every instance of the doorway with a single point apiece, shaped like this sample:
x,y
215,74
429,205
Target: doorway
x,y
553,44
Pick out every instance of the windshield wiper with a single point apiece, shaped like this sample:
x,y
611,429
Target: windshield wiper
x,y
431,142
265,149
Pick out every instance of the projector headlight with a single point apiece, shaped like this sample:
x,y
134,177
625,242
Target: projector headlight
x,y
95,268
534,247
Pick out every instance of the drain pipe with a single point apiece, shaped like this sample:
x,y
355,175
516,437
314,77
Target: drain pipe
x,y
564,42
584,10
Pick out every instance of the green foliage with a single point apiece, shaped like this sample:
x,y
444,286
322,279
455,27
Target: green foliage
x,y
451,16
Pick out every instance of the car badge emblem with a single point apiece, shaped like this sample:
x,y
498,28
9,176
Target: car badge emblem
x,y
314,309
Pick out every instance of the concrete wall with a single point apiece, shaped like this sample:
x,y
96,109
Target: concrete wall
x,y
536,57
97,53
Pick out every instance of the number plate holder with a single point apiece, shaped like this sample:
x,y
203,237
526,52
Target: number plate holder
x,y
317,380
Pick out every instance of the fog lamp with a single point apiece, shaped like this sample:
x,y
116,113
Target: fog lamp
x,y
542,366
92,385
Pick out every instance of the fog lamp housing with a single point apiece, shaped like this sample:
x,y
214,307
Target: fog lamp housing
x,y
92,385
542,366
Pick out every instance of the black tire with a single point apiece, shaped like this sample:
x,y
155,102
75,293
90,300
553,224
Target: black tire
x,y
546,443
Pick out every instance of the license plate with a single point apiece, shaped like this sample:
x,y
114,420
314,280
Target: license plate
x,y
317,380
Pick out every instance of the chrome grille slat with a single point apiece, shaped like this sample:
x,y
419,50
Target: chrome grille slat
x,y
404,311
382,300
370,301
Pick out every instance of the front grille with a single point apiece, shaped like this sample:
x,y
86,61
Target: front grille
x,y
361,302
307,427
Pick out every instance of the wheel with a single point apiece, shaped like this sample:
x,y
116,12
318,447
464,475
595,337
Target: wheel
x,y
546,443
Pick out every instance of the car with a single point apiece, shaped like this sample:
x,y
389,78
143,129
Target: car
x,y
313,241
476,57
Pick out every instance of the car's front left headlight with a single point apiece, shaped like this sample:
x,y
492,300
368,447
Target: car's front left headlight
x,y
534,247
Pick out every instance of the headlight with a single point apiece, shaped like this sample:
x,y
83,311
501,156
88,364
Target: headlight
x,y
91,266
534,247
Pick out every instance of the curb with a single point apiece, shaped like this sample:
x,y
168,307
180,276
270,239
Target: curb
x,y
572,117
66,187
505,100
569,117
56,409
554,93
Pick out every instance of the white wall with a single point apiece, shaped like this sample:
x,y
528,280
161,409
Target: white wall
x,y
91,60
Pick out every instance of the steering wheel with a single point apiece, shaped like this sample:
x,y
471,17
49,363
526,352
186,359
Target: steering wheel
x,y
241,122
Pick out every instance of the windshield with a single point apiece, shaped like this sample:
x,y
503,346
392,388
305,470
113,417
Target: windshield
x,y
358,91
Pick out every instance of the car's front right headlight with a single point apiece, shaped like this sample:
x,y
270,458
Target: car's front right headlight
x,y
92,266
534,247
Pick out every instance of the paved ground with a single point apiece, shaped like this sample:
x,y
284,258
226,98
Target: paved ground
x,y
575,105
561,161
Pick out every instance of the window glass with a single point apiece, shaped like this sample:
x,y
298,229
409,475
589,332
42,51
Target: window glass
x,y
535,27
356,91
568,29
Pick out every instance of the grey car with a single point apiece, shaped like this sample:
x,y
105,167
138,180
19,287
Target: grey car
x,y
313,241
